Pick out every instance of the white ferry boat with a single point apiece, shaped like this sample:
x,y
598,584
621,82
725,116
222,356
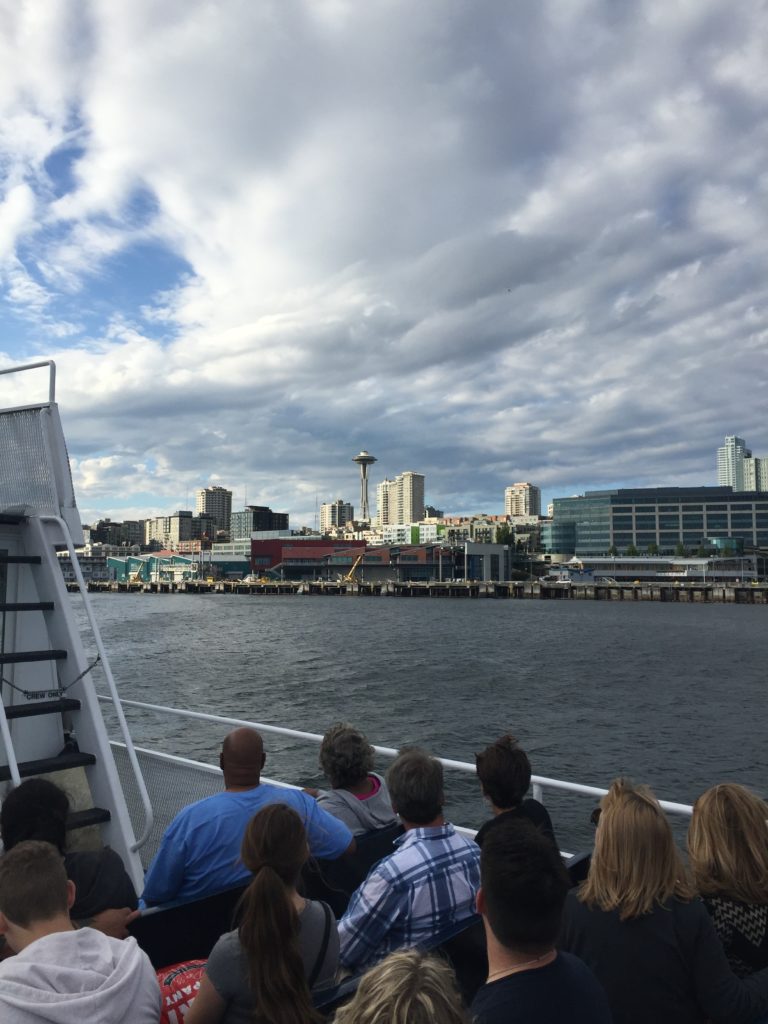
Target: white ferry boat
x,y
51,720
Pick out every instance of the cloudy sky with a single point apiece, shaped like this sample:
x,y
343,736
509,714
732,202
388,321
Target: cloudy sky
x,y
488,241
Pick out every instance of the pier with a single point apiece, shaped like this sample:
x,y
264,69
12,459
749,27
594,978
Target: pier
x,y
706,593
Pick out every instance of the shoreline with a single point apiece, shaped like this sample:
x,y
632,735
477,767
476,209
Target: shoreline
x,y
699,593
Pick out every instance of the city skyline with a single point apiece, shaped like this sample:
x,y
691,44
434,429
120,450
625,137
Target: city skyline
x,y
520,256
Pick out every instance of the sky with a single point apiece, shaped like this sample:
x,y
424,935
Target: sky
x,y
488,242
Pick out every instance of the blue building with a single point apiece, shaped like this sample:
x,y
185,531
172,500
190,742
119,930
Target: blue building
x,y
660,518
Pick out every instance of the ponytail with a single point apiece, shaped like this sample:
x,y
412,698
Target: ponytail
x,y
269,925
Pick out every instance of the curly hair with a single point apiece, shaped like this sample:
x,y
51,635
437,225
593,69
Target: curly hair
x,y
346,756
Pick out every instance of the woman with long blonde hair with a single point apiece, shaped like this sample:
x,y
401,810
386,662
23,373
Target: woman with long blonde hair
x,y
406,988
635,921
284,945
728,852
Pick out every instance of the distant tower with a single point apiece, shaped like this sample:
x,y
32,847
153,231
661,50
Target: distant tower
x,y
364,460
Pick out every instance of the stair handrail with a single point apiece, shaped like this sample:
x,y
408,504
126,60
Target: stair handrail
x,y
36,366
149,814
5,732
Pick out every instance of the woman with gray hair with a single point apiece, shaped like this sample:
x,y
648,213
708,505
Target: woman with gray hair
x,y
358,796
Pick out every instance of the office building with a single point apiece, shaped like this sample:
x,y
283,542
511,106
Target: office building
x,y
522,500
401,500
657,520
215,502
730,462
335,513
255,518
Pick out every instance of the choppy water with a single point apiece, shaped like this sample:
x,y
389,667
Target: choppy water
x,y
672,695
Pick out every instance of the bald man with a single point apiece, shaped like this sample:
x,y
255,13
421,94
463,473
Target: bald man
x,y
200,851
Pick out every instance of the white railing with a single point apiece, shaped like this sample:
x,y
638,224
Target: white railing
x,y
540,783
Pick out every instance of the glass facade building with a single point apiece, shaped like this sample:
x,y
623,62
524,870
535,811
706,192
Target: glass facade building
x,y
660,518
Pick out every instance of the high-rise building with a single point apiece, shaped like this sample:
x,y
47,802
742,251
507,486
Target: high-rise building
x,y
256,519
335,513
730,463
522,499
755,474
215,502
401,500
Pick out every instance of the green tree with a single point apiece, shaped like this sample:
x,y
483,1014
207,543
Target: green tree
x,y
680,550
613,551
653,549
505,535
702,551
632,550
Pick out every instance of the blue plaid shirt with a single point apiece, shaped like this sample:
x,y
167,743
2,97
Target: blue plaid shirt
x,y
427,884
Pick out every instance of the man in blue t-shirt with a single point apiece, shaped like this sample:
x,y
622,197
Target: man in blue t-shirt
x,y
199,853
523,886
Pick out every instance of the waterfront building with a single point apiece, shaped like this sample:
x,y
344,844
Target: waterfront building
x,y
255,518
335,514
730,462
657,520
215,502
755,474
401,500
522,499
105,531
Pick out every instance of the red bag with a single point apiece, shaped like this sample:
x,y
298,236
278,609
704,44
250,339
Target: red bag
x,y
178,986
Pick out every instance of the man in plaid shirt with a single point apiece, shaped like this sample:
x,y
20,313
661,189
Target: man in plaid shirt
x,y
428,883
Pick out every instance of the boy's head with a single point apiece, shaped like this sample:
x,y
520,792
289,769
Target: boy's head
x,y
34,889
523,886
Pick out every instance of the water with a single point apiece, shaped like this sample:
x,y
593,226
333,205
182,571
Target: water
x,y
671,695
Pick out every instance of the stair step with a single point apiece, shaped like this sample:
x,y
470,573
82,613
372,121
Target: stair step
x,y
41,707
17,657
91,816
49,764
26,606
20,560
11,519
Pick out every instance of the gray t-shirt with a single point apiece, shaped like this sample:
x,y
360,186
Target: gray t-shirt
x,y
227,968
360,816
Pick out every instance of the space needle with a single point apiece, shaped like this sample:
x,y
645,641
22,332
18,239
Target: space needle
x,y
364,460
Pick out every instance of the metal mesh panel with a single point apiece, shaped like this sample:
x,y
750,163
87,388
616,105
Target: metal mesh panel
x,y
27,479
170,785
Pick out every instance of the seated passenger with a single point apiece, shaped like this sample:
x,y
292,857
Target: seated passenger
x,y
728,852
358,797
61,973
636,923
523,886
428,883
199,853
504,772
406,988
104,892
284,946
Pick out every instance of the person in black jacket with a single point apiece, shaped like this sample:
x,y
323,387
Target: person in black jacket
x,y
636,922
105,896
504,772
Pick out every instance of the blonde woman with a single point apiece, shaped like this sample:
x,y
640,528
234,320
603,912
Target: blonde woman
x,y
728,850
636,923
406,988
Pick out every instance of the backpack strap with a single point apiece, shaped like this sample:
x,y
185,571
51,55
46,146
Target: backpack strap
x,y
315,972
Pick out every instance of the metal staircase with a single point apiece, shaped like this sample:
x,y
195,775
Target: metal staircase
x,y
50,716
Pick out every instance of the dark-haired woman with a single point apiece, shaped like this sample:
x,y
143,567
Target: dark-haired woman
x,y
37,809
284,946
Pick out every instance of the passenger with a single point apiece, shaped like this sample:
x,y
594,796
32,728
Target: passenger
x,y
199,853
523,886
358,797
636,923
504,772
428,883
104,892
406,988
728,852
284,946
60,973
